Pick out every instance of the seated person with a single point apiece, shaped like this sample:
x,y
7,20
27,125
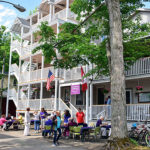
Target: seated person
x,y
104,126
66,117
9,121
48,124
19,120
3,122
71,122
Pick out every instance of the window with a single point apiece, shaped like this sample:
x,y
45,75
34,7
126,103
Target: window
x,y
79,99
144,97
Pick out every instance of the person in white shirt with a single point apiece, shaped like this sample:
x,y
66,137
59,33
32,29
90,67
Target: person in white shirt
x,y
36,121
27,122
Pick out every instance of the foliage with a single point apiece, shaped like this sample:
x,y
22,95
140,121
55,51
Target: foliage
x,y
79,48
5,49
33,11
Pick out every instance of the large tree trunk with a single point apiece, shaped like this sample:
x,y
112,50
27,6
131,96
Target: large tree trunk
x,y
118,115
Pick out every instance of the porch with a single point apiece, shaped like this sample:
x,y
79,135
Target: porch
x,y
134,112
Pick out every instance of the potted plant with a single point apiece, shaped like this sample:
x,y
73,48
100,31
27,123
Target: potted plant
x,y
105,91
139,88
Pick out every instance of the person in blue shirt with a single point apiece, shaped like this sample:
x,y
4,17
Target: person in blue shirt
x,y
66,117
109,107
57,123
108,100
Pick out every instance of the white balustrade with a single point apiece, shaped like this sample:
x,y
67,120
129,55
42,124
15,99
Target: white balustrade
x,y
13,95
140,67
22,104
35,75
15,70
46,70
73,109
63,106
135,112
34,104
48,104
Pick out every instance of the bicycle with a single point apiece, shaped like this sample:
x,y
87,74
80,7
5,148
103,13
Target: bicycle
x,y
141,134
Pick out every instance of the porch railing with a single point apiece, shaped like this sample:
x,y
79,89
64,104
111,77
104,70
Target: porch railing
x,y
140,67
35,75
134,112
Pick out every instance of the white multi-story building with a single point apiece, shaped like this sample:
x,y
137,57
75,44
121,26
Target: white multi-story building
x,y
32,72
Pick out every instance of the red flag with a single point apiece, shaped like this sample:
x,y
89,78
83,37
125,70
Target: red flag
x,y
84,83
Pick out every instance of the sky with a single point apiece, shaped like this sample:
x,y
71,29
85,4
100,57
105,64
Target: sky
x,y
8,13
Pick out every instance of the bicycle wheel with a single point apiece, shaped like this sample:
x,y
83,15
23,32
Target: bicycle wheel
x,y
147,139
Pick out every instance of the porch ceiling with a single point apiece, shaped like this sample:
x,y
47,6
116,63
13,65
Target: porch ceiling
x,y
18,23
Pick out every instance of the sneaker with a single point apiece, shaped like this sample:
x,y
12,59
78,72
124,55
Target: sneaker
x,y
57,143
54,145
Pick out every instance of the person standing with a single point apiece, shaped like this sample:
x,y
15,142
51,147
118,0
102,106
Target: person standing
x,y
27,122
43,115
57,123
109,107
80,117
36,121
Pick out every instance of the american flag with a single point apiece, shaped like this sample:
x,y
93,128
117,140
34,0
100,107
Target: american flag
x,y
50,78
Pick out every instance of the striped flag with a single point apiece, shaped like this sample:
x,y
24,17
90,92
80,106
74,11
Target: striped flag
x,y
84,82
50,78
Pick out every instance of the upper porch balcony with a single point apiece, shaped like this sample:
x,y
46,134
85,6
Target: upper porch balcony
x,y
52,20
140,69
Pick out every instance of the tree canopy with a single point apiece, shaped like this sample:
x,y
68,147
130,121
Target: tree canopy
x,y
88,43
5,49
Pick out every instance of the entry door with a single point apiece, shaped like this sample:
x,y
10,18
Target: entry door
x,y
128,96
100,97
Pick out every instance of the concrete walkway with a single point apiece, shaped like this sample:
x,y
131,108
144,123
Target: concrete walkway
x,y
14,140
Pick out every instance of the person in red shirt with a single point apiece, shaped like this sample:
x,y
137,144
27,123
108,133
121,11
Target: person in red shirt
x,y
80,117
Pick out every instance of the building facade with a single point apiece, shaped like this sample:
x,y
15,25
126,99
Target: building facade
x,y
32,73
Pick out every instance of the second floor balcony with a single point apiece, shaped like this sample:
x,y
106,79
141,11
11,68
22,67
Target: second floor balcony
x,y
140,69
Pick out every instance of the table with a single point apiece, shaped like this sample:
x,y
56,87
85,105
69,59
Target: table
x,y
85,131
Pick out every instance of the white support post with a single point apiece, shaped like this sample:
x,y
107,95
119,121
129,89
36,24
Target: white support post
x,y
30,21
67,9
10,58
50,13
59,95
29,88
87,98
91,100
18,88
53,9
56,89
38,17
56,77
58,24
41,90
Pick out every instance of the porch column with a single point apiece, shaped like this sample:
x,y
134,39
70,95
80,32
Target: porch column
x,y
53,9
10,59
18,88
59,95
87,98
30,21
41,88
56,89
91,100
29,88
50,13
38,17
67,9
